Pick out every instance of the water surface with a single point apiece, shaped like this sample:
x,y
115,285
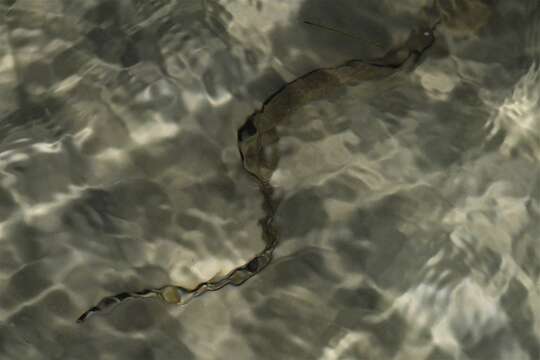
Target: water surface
x,y
408,204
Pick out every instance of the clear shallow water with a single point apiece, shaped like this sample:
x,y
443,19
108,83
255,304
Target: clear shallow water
x,y
409,204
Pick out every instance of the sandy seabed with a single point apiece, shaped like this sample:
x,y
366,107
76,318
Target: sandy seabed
x,y
410,205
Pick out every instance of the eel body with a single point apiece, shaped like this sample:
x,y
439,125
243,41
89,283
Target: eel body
x,y
259,130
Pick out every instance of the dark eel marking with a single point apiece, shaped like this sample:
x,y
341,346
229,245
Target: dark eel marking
x,y
258,130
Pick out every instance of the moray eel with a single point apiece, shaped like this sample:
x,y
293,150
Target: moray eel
x,y
178,295
260,130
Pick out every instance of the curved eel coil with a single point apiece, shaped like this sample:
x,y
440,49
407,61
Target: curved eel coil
x,y
286,100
